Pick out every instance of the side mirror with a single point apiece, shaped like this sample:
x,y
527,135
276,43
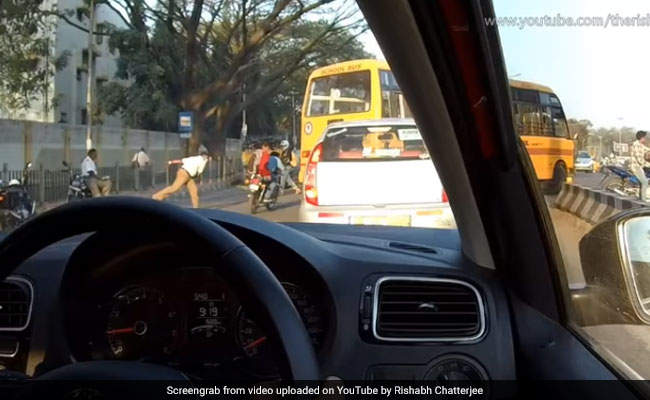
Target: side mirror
x,y
615,258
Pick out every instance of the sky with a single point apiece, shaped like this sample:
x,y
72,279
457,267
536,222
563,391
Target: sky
x,y
599,73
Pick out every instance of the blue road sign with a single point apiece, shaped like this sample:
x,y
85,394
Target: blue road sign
x,y
185,124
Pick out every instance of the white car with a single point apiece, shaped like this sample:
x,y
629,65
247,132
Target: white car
x,y
374,172
584,162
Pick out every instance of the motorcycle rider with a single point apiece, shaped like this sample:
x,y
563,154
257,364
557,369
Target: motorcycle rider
x,y
288,163
639,154
98,186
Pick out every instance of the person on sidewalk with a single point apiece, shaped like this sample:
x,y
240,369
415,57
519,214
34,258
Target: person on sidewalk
x,y
190,169
98,186
140,162
639,155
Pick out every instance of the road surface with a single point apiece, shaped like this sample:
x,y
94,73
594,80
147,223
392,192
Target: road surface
x,y
588,180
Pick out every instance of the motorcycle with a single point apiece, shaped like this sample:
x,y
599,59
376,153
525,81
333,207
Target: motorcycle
x,y
621,181
257,188
16,204
77,188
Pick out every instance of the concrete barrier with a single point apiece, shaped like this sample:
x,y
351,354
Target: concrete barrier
x,y
593,205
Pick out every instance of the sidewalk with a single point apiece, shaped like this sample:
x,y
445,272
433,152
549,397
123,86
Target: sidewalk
x,y
210,195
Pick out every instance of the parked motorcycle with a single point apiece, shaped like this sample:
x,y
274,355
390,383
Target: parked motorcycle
x,y
77,188
257,188
621,181
16,204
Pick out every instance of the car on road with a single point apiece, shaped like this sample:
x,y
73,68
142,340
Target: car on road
x,y
374,172
585,163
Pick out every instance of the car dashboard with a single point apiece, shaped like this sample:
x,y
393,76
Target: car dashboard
x,y
377,303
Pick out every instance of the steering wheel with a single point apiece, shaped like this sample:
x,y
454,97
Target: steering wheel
x,y
234,261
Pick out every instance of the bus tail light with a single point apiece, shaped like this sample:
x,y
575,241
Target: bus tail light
x,y
445,199
311,191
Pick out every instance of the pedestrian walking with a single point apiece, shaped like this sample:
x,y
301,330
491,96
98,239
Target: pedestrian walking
x,y
140,162
288,164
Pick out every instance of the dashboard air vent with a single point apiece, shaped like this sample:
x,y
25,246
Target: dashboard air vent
x,y
427,309
412,247
16,295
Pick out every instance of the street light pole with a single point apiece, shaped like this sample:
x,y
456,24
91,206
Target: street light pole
x,y
91,77
293,118
620,136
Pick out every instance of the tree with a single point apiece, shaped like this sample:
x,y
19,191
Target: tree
x,y
204,56
580,131
26,63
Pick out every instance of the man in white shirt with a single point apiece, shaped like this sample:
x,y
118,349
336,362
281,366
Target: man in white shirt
x,y
140,161
98,186
639,161
191,168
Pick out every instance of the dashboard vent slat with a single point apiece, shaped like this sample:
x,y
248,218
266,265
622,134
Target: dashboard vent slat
x,y
16,295
427,309
412,247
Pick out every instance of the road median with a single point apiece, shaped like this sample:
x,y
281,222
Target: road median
x,y
593,205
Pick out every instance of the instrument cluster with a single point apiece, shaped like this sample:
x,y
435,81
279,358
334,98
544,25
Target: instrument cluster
x,y
193,320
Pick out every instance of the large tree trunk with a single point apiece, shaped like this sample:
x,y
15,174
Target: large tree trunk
x,y
197,133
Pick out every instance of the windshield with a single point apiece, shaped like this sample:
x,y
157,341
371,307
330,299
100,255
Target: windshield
x,y
340,94
201,106
583,154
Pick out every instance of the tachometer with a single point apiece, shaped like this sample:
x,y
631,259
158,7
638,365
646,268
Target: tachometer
x,y
141,323
253,340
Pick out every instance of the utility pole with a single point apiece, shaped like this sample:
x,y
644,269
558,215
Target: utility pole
x,y
620,137
91,77
244,34
47,80
293,118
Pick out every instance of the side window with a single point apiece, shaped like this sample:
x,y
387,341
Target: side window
x,y
390,95
546,121
544,98
530,120
560,128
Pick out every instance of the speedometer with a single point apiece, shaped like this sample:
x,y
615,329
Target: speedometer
x,y
141,323
253,340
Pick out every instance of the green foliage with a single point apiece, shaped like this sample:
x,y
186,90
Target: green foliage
x,y
26,61
200,55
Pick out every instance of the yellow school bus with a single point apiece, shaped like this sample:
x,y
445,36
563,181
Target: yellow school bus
x,y
351,90
367,89
540,121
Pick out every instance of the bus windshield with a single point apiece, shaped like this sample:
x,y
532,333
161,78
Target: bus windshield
x,y
340,94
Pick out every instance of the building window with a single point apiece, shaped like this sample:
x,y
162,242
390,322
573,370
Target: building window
x,y
84,116
99,82
100,28
79,74
80,14
63,119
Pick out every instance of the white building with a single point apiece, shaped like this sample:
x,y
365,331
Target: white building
x,y
67,91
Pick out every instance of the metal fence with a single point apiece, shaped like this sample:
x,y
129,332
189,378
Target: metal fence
x,y
46,186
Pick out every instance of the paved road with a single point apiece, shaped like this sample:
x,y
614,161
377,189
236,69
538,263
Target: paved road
x,y
588,180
